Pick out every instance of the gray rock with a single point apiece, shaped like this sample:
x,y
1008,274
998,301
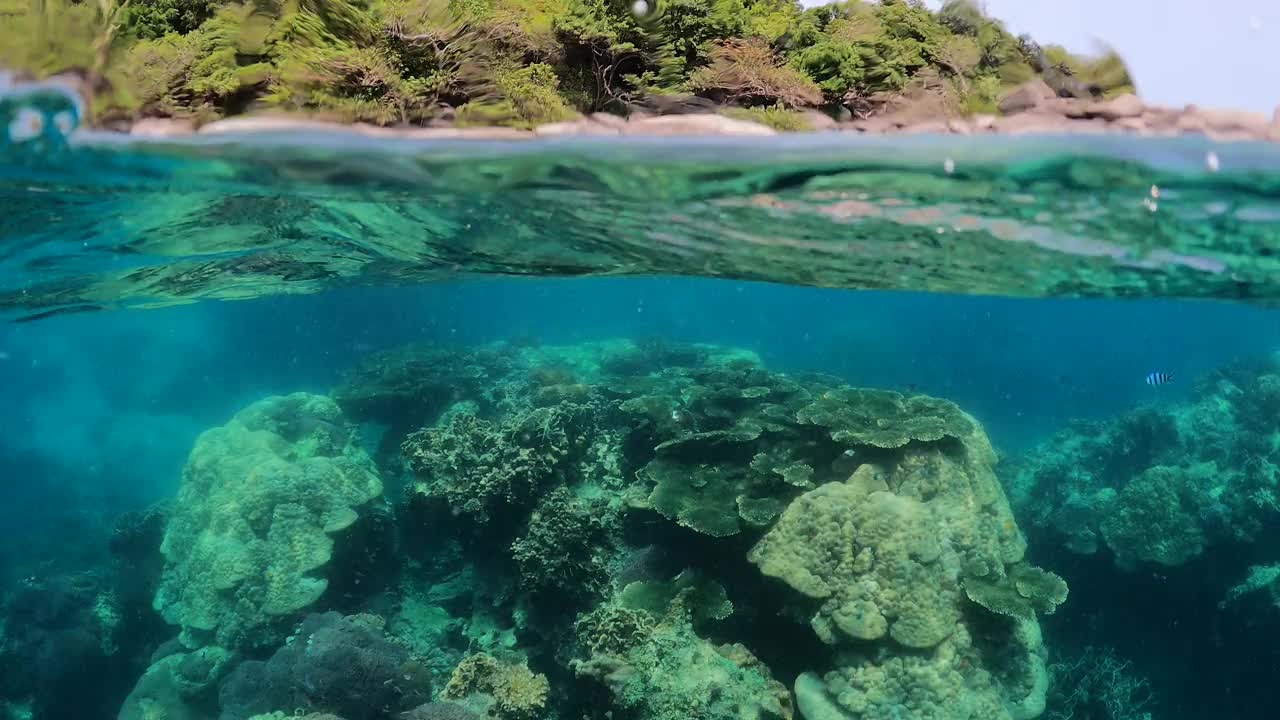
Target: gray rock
x,y
1027,96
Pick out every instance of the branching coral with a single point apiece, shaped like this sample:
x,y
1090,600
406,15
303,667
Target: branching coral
x,y
666,672
479,467
565,549
255,518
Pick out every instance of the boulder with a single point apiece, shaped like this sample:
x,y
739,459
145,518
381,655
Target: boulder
x,y
1224,123
1117,108
162,127
581,126
1030,95
709,124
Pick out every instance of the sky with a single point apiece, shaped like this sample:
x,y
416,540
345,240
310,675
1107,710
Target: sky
x,y
1213,54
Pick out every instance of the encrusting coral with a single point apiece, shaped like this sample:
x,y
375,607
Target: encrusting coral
x,y
261,500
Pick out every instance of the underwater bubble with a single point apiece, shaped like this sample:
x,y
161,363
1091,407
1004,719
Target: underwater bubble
x,y
640,8
1211,161
948,166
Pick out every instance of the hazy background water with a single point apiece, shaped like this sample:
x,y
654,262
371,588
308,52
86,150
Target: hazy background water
x,y
106,406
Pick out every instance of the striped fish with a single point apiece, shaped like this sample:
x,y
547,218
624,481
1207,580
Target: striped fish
x,y
1159,378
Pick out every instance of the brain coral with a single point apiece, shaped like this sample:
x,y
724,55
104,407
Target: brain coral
x,y
260,500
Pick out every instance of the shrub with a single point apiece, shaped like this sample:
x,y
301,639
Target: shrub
x,y
777,117
747,72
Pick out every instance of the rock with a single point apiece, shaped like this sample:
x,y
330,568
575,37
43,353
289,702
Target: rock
x,y
983,122
877,125
162,127
609,120
1122,106
1226,124
928,127
1029,95
819,120
1033,122
581,126
709,124
270,123
267,123
1132,124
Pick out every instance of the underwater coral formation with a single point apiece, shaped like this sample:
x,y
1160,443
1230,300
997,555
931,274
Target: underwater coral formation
x,y
1161,485
253,524
648,531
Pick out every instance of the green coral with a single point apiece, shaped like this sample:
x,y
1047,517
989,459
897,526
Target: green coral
x,y
1154,518
479,467
565,548
1162,484
255,518
1025,591
885,419
701,598
949,682
882,551
880,561
179,687
675,674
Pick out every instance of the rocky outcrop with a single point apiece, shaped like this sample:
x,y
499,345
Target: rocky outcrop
x,y
1033,107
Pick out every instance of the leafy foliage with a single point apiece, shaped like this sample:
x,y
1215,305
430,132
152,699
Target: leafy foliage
x,y
524,62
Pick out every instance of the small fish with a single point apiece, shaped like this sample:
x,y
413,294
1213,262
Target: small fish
x,y
1159,378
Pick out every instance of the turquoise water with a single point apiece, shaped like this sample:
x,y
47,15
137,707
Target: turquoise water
x,y
596,496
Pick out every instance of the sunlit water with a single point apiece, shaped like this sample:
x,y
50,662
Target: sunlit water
x,y
946,267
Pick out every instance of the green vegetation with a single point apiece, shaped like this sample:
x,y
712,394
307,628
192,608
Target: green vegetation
x,y
525,62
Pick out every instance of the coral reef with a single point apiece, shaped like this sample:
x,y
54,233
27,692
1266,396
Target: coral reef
x,y
1160,486
885,557
182,686
335,664
255,518
479,467
650,531
659,669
